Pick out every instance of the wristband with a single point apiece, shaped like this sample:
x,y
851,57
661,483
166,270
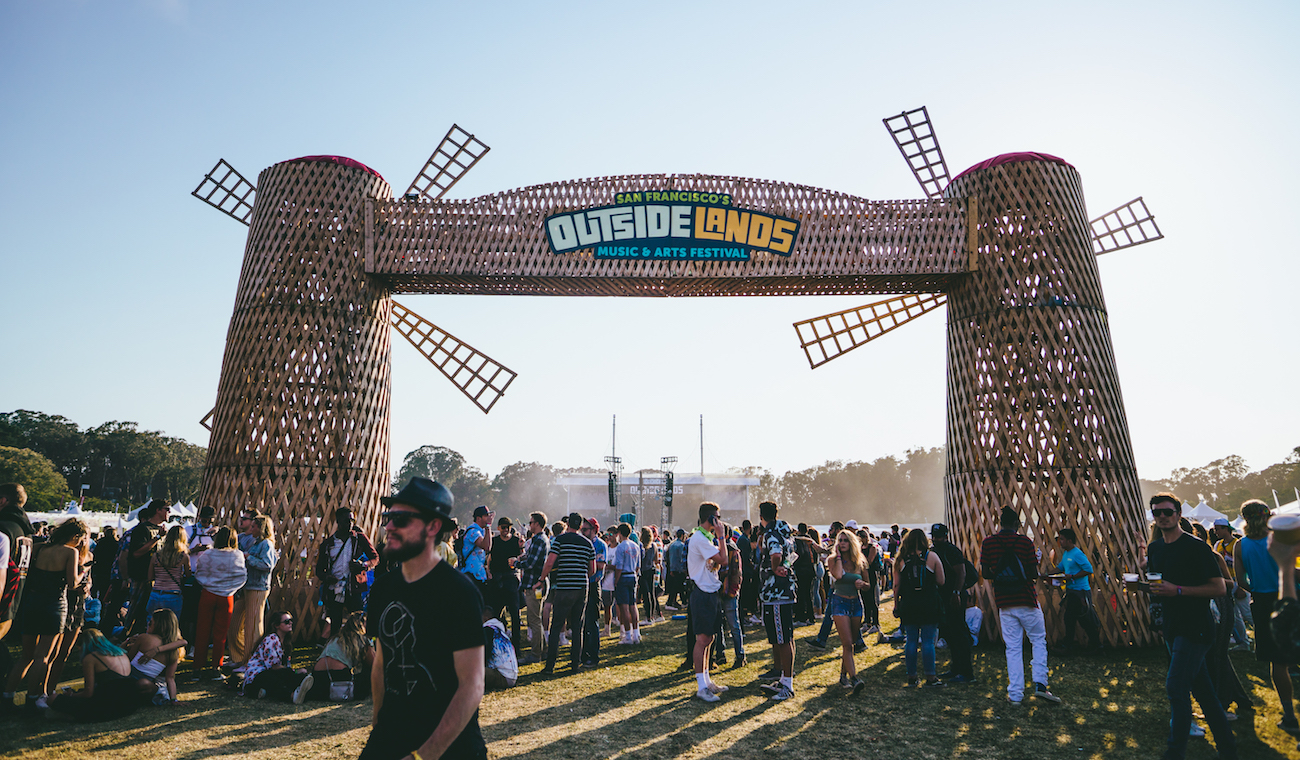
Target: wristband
x,y
1180,590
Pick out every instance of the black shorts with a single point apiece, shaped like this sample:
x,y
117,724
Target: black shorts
x,y
779,621
706,611
1261,608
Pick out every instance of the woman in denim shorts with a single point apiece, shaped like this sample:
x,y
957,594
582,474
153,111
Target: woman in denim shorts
x,y
849,569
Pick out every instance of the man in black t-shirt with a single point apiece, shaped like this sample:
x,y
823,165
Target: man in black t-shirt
x,y
143,543
428,619
1189,579
504,584
952,625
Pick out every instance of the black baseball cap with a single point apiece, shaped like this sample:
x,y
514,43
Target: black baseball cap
x,y
426,495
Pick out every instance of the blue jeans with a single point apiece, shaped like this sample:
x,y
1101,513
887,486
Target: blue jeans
x,y
731,619
926,635
1188,677
828,622
164,600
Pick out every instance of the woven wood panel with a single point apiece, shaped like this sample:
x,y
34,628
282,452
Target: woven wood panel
x,y
227,191
495,244
454,156
914,135
1129,225
833,335
301,421
1035,416
481,378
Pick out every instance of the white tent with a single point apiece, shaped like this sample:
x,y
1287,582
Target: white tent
x,y
1203,514
1288,509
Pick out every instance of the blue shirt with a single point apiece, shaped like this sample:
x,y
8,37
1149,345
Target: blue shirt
x,y
1075,561
598,545
1258,565
475,556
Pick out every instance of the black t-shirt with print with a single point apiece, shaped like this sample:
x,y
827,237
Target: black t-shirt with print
x,y
420,626
1186,562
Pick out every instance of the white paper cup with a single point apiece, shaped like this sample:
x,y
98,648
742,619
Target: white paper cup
x,y
1286,528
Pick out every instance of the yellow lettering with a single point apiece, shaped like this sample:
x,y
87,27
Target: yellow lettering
x,y
737,226
783,235
760,231
705,218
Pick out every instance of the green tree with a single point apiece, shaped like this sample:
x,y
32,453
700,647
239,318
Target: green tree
x,y
132,458
47,490
56,438
467,484
525,487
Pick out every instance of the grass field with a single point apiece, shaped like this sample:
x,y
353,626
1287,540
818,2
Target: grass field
x,y
638,705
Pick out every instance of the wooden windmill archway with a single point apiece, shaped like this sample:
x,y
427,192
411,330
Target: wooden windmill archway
x,y
1035,416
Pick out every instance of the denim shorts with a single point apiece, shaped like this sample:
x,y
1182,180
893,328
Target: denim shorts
x,y
845,607
625,590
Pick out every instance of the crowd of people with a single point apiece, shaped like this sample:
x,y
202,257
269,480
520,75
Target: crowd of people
x,y
439,613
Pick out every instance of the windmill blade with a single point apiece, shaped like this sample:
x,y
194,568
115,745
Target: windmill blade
x,y
227,191
206,422
914,136
454,156
478,376
1129,225
833,335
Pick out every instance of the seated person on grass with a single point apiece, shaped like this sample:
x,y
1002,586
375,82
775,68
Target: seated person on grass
x,y
498,654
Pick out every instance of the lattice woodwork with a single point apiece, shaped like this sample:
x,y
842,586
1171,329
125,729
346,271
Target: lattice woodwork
x,y
915,138
495,244
454,156
477,375
1129,225
833,335
301,422
1035,416
227,191
206,422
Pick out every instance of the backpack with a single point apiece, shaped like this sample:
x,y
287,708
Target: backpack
x,y
20,559
972,574
917,590
1009,576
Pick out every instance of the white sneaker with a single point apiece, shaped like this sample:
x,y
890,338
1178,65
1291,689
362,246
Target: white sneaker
x,y
782,695
240,669
625,638
707,696
564,639
41,703
300,693
716,688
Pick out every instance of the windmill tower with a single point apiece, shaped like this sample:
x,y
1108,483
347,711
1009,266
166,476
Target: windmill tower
x,y
300,426
1035,419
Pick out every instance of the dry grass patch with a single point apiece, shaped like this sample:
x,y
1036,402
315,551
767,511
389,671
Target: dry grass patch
x,y
638,705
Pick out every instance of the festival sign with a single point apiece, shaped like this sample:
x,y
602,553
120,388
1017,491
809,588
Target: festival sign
x,y
671,224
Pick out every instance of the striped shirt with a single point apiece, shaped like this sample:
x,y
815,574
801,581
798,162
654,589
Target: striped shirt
x,y
573,558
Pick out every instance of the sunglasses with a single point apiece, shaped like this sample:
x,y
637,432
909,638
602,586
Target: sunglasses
x,y
398,520
1163,512
287,621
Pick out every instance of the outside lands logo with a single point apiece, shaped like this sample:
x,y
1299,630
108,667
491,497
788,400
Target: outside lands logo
x,y
671,224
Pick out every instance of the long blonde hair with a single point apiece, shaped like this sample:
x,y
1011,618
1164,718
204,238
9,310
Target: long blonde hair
x,y
174,551
168,629
352,639
265,529
855,552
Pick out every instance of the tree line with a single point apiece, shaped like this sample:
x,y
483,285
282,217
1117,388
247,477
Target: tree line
x,y
1225,483
117,460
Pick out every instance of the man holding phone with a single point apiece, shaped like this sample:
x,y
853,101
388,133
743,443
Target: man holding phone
x,y
706,551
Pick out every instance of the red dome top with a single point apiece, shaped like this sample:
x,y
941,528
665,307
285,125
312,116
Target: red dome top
x,y
1011,158
341,160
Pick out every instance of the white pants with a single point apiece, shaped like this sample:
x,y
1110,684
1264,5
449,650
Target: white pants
x,y
1018,622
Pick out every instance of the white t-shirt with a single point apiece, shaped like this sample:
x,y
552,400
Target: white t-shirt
x,y
4,550
699,550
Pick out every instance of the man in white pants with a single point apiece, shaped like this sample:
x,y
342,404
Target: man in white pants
x,y
1009,563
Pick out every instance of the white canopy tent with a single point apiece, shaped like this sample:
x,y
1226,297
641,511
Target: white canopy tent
x,y
1203,513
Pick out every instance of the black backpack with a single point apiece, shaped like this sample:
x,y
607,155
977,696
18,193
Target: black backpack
x,y
1009,576
918,594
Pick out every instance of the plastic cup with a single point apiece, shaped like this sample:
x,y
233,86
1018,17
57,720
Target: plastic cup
x,y
1286,528
539,593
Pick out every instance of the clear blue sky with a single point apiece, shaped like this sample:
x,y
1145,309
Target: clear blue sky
x,y
119,285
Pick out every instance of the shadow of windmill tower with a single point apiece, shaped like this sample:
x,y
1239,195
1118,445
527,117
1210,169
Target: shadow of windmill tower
x,y
1035,418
